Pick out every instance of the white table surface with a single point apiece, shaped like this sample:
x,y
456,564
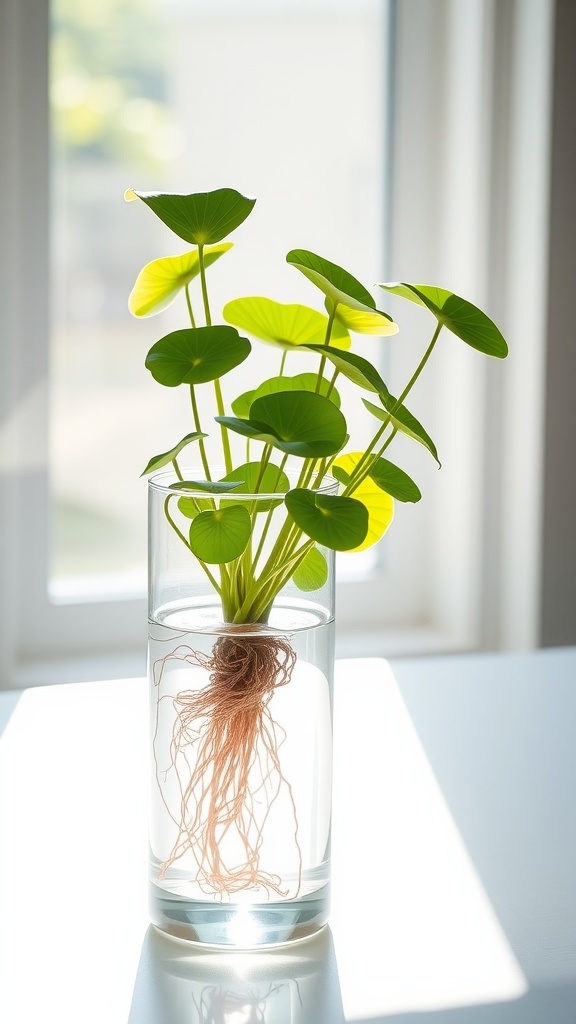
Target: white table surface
x,y
454,884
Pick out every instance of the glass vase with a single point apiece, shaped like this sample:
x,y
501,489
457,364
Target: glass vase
x,y
241,728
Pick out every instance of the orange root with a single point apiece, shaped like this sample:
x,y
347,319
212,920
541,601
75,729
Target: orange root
x,y
226,737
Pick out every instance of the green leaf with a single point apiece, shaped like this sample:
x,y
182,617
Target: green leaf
x,y
220,535
210,486
190,507
157,461
202,218
387,476
378,503
403,420
272,481
331,520
355,307
354,367
297,422
241,405
394,481
195,355
287,325
160,281
462,318
299,382
312,572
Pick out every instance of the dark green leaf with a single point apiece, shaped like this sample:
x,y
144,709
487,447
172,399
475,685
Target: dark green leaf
x,y
462,318
354,367
196,355
297,422
157,461
337,284
203,217
312,572
394,481
220,535
403,420
331,520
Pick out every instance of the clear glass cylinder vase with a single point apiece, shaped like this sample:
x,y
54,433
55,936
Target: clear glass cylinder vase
x,y
241,675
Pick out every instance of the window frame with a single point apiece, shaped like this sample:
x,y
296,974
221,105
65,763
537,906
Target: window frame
x,y
477,580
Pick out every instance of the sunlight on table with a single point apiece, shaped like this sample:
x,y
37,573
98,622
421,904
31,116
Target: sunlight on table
x,y
413,927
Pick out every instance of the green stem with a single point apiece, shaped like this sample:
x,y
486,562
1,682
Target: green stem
x,y
223,430
331,316
189,304
283,362
332,382
418,369
203,286
217,389
201,445
360,472
186,542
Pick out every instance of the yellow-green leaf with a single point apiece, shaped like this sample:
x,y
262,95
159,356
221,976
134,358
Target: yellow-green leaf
x,y
284,324
160,281
365,321
379,504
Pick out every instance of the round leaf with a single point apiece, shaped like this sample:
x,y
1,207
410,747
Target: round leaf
x,y
331,520
283,324
303,423
336,283
299,382
312,572
379,505
159,282
271,481
241,405
342,292
221,535
297,422
196,355
462,318
202,218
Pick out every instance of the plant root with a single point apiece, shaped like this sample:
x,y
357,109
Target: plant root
x,y
225,753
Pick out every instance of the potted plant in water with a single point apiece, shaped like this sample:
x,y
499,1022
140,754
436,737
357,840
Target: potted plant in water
x,y
241,572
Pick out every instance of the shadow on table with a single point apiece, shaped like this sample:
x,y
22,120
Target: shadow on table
x,y
178,984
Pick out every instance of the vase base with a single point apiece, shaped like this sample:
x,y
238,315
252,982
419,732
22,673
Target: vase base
x,y
239,925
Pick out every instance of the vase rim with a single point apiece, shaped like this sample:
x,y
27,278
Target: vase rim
x,y
164,480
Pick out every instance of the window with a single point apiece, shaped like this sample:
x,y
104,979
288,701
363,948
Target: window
x,y
462,74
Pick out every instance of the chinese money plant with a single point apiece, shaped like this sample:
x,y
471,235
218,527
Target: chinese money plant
x,y
297,435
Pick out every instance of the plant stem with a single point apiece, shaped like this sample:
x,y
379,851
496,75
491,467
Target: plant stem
x,y
185,541
361,470
217,389
202,266
331,316
201,444
419,368
189,304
